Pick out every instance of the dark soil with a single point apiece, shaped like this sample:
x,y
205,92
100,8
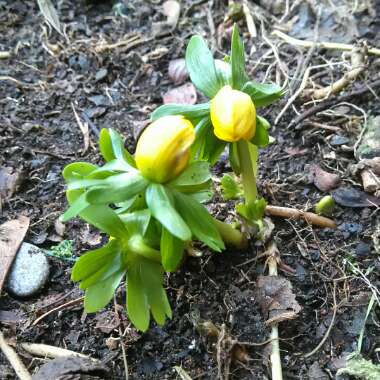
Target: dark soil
x,y
39,136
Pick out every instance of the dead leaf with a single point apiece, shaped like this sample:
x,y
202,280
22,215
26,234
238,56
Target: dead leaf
x,y
50,14
185,94
177,71
12,234
171,9
9,181
371,182
12,317
295,151
276,299
106,322
73,368
323,180
59,227
351,197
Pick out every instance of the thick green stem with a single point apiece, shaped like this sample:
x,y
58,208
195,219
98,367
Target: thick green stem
x,y
247,168
230,235
138,246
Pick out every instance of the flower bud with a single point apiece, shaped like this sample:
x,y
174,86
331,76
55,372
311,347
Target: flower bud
x,y
233,115
163,150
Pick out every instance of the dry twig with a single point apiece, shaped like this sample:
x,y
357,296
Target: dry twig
x,y
358,65
61,307
47,351
323,45
14,359
310,217
332,101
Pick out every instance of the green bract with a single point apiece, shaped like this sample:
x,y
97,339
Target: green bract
x,y
149,225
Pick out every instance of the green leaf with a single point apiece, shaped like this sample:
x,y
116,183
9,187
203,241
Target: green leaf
x,y
112,180
161,207
75,208
100,294
199,220
118,165
223,70
253,211
234,158
131,185
152,277
207,147
77,170
94,260
136,222
190,112
111,146
202,196
171,249
201,67
137,300
230,188
239,76
263,94
113,265
261,137
100,216
197,176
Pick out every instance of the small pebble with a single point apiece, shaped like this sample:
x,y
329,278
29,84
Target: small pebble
x,y
339,140
29,272
363,249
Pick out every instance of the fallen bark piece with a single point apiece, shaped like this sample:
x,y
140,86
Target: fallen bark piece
x,y
371,182
310,217
276,299
350,197
12,234
10,179
29,272
323,180
72,368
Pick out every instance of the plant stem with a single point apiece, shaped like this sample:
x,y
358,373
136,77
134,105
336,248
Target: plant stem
x,y
230,235
138,246
247,168
275,357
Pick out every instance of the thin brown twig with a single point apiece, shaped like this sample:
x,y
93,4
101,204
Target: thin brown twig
x,y
323,45
332,101
61,307
48,351
323,340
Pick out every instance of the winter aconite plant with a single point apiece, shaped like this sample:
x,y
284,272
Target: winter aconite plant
x,y
150,205
229,118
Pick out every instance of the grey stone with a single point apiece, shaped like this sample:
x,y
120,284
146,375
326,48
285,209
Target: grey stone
x,y
29,271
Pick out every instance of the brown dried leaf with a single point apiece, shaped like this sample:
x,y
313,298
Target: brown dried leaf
x,y
185,94
11,236
276,299
177,71
323,180
9,180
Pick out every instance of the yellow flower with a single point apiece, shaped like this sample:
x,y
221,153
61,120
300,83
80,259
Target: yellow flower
x,y
233,115
163,150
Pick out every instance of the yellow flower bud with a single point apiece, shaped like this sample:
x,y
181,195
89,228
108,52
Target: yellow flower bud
x,y
163,150
233,115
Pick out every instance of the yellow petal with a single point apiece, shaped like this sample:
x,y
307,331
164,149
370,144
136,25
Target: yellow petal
x,y
163,150
233,115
